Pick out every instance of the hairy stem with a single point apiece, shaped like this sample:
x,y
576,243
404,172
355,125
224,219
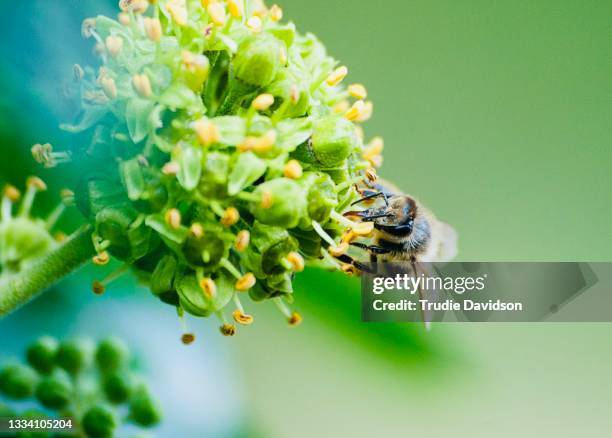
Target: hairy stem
x,y
21,288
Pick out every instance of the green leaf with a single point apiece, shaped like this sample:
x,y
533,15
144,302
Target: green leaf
x,y
137,116
190,162
133,178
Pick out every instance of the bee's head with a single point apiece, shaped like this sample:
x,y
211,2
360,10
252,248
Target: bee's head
x,y
396,218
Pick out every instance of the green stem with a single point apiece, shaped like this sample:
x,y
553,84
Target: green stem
x,y
21,288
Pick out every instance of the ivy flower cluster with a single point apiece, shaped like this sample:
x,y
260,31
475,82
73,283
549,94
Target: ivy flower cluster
x,y
78,379
219,148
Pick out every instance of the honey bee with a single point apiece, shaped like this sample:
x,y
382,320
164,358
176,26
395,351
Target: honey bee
x,y
404,230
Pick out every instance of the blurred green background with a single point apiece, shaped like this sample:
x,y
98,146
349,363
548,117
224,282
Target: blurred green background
x,y
497,116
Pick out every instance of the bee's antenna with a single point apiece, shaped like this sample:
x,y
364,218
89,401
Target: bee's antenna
x,y
372,196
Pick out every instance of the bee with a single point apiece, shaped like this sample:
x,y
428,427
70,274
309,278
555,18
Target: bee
x,y
405,231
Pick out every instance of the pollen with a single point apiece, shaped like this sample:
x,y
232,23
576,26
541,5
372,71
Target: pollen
x,y
207,132
242,318
197,230
178,11
293,169
339,250
153,28
236,8
267,199
358,91
109,86
295,319
242,240
12,193
355,111
276,13
254,24
171,168
337,76
216,11
142,85
228,329
98,288
188,338
209,287
36,183
363,228
263,102
246,282
101,259
230,217
114,44
173,218
296,260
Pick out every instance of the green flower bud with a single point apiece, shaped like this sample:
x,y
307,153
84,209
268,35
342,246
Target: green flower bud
x,y
162,279
17,381
321,196
333,140
74,356
258,60
55,391
41,354
117,387
198,303
268,248
283,203
144,409
99,421
111,354
214,175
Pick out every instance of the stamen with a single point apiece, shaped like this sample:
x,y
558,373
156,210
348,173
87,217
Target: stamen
x,y
276,13
293,169
338,250
242,240
101,259
209,287
216,11
366,113
296,260
321,232
236,8
108,86
206,132
142,85
254,24
178,11
266,199
99,287
226,328
171,168
246,282
153,28
187,337
358,91
337,76
239,315
230,217
173,218
196,230
356,111
114,44
34,185
263,102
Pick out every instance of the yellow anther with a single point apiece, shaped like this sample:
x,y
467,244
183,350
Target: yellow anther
x,y
254,24
367,112
173,218
242,240
373,151
207,132
295,319
339,250
246,282
247,144
194,63
188,338
358,91
36,183
259,8
178,11
171,168
12,193
336,76
230,217
282,55
101,259
98,288
341,106
363,228
114,44
276,13
142,85
355,111
60,237
228,329
67,196
236,8
293,169
296,260
124,18
295,94
265,142
370,174
263,102
209,287
267,199
242,318
109,87
216,11
88,26
153,28
197,230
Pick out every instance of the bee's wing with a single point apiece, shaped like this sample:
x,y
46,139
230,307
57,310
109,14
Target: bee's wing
x,y
446,248
426,269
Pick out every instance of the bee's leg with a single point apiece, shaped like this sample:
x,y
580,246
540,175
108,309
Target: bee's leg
x,y
373,249
351,261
